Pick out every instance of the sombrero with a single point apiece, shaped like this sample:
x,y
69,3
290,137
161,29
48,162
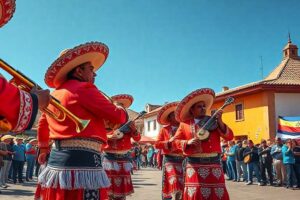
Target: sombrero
x,y
165,111
7,9
124,99
182,112
94,52
6,137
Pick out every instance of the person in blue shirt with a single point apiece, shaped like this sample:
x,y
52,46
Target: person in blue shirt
x,y
30,158
277,162
231,161
18,160
289,162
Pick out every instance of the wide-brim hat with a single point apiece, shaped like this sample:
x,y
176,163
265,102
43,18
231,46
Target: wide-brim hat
x,y
7,9
6,137
124,99
32,140
165,111
182,112
94,52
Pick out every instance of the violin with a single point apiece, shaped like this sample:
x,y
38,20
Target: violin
x,y
119,133
209,123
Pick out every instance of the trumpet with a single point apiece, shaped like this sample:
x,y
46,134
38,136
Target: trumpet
x,y
24,83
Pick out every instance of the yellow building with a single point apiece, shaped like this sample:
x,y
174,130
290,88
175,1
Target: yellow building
x,y
257,105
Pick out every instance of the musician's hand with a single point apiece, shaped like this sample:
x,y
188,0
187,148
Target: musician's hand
x,y
221,124
194,141
43,97
42,158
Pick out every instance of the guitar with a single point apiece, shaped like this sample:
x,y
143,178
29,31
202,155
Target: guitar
x,y
203,133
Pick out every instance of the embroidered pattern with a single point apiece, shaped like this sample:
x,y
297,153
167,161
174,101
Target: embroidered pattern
x,y
169,168
219,192
91,194
97,160
203,172
172,180
190,172
217,172
205,192
118,181
191,191
26,108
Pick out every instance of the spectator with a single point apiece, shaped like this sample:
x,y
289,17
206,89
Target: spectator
x,y
231,161
30,158
18,160
6,160
265,162
150,154
253,164
240,165
289,162
277,162
296,151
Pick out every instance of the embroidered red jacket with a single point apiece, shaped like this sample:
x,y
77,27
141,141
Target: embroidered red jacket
x,y
18,107
162,141
123,144
187,130
85,101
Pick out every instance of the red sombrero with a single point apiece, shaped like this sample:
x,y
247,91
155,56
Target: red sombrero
x,y
124,99
165,111
182,112
7,9
94,52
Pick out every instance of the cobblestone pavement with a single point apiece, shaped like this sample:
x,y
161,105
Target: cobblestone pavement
x,y
147,184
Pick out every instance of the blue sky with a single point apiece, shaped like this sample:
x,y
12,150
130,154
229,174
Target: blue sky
x,y
160,50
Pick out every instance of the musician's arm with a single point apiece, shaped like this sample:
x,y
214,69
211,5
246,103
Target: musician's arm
x,y
18,107
91,99
180,141
43,132
227,134
161,143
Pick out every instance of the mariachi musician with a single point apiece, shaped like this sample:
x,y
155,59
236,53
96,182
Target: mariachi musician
x,y
116,161
204,178
172,184
74,169
18,108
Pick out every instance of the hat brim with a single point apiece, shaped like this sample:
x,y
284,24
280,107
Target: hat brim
x,y
124,99
165,111
7,137
94,52
206,95
7,9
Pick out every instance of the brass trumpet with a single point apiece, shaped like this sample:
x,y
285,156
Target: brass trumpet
x,y
24,83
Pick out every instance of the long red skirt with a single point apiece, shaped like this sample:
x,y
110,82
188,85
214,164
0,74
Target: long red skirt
x,y
204,181
118,173
172,176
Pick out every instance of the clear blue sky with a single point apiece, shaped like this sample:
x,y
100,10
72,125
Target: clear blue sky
x,y
160,50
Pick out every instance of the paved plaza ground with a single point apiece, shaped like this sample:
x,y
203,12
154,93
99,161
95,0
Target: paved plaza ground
x,y
147,183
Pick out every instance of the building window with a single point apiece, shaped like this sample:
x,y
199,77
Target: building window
x,y
239,112
149,122
154,125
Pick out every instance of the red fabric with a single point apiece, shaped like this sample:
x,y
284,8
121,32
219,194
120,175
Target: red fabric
x,y
212,145
123,143
204,182
85,101
121,183
13,107
173,179
162,141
